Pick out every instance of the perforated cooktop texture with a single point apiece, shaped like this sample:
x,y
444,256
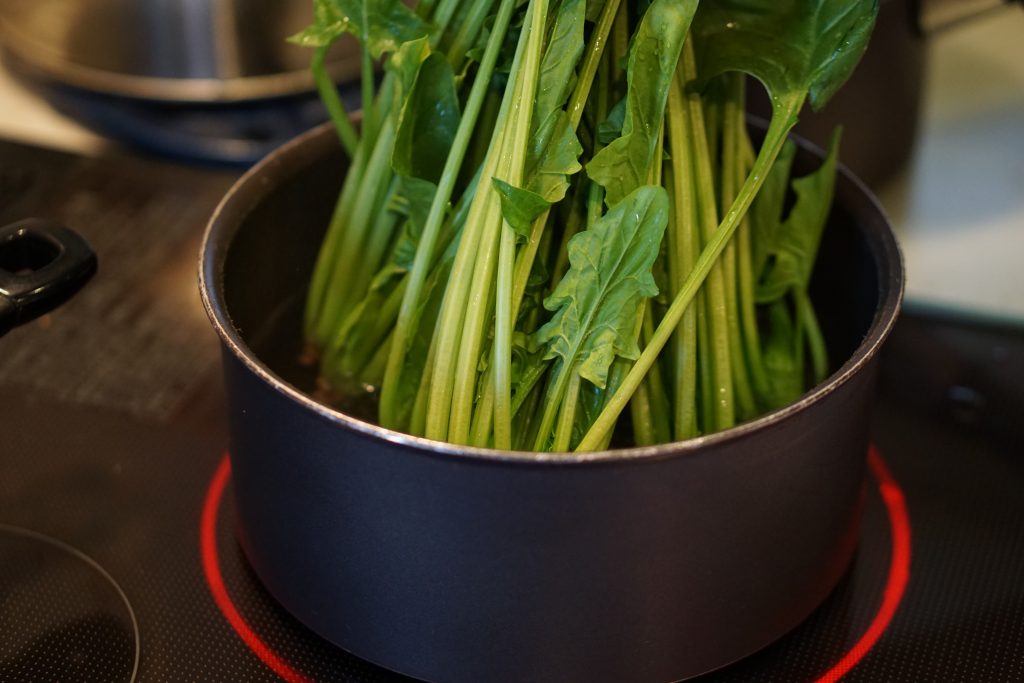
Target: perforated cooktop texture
x,y
112,441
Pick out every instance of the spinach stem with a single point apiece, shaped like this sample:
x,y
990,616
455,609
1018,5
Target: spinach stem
x,y
747,304
815,339
552,403
418,419
657,413
328,90
563,430
374,367
493,295
368,202
380,236
684,244
328,255
389,407
722,408
620,42
705,382
732,130
368,78
451,321
782,121
506,299
524,263
442,18
468,33
592,58
483,417
503,325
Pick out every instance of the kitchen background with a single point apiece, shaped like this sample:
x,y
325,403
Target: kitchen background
x,y
957,207
117,446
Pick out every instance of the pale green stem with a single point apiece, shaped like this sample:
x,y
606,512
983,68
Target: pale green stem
x,y
468,33
648,407
339,296
591,61
442,18
354,358
503,325
380,236
620,42
705,383
527,255
435,219
563,431
815,339
328,90
748,309
367,82
374,370
552,403
479,312
448,332
483,417
418,419
732,120
723,408
782,122
342,231
686,245
329,250
742,390
641,417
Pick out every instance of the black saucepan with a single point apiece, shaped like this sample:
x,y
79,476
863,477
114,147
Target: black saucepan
x,y
459,564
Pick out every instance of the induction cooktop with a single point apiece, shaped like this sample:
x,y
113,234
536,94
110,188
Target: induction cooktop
x,y
118,559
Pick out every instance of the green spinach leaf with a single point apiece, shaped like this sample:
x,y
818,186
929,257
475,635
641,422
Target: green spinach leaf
x,y
381,25
595,303
520,207
796,48
796,242
428,122
625,164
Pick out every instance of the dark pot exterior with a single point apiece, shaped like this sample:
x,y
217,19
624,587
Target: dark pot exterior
x,y
455,564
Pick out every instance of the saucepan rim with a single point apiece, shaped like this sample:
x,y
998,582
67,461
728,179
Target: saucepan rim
x,y
250,190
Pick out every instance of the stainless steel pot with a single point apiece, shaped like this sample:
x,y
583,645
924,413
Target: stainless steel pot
x,y
168,50
459,564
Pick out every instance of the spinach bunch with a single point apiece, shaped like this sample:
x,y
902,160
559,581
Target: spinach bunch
x,y
554,211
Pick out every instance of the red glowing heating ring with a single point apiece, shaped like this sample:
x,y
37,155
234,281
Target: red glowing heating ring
x,y
895,586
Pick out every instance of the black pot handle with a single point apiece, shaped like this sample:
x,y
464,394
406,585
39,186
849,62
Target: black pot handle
x,y
42,264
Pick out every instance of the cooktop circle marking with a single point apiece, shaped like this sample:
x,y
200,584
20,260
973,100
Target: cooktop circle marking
x,y
215,580
77,554
895,586
899,568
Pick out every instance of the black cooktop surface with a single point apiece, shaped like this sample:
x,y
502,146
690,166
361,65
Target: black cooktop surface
x,y
118,560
